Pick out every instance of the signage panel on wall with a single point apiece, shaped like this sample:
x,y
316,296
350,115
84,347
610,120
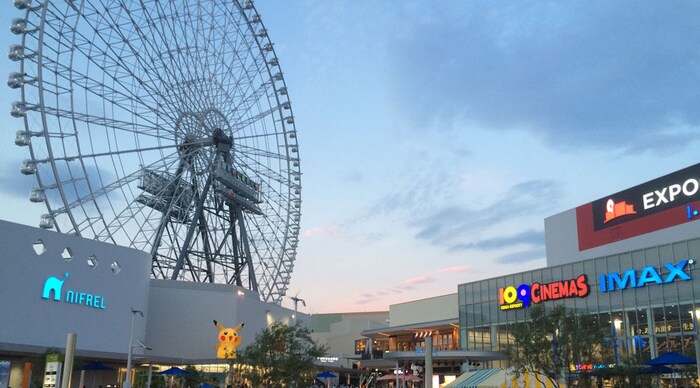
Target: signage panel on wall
x,y
53,288
669,191
512,297
648,275
667,201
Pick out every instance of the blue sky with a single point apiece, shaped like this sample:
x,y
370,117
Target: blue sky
x,y
435,137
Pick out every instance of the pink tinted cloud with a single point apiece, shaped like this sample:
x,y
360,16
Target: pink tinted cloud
x,y
411,283
332,230
454,269
408,284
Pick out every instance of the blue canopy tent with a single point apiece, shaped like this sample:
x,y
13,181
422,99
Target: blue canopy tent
x,y
670,358
172,372
325,375
96,367
657,369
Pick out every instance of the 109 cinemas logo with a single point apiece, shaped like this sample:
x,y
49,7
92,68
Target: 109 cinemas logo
x,y
514,298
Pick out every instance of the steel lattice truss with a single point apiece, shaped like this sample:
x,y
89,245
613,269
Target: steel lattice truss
x,y
163,126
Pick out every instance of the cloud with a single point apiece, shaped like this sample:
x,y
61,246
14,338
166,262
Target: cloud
x,y
577,74
455,269
410,284
14,183
529,237
332,230
522,256
452,223
405,285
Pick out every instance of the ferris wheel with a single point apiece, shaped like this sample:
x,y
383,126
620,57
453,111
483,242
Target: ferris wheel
x,y
163,126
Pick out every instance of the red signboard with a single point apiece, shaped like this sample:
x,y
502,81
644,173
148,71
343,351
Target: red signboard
x,y
661,203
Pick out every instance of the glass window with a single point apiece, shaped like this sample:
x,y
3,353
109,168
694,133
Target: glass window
x,y
659,320
651,256
567,272
665,255
680,252
360,346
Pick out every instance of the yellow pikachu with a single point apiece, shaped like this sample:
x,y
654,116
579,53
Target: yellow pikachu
x,y
229,340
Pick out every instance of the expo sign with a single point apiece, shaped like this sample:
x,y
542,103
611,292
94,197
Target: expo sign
x,y
670,191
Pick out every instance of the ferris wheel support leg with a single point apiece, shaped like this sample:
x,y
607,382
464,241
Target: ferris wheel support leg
x,y
163,223
205,245
238,266
190,231
249,259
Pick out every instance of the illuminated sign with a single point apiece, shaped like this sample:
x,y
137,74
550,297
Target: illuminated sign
x,y
676,189
55,285
648,275
586,367
512,298
615,210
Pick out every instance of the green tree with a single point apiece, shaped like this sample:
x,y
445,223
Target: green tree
x,y
548,344
281,356
194,379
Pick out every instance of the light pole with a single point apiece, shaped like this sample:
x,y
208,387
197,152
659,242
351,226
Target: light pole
x,y
695,316
554,349
127,380
616,326
296,300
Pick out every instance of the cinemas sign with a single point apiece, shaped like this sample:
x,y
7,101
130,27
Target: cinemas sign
x,y
676,189
512,298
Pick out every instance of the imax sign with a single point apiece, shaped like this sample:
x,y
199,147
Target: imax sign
x,y
648,275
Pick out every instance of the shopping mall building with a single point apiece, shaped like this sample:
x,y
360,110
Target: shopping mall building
x,y
628,258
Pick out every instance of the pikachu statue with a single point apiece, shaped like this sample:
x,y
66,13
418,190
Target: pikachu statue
x,y
229,340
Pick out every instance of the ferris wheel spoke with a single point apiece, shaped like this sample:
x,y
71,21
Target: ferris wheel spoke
x,y
263,170
102,121
251,152
73,157
147,65
168,34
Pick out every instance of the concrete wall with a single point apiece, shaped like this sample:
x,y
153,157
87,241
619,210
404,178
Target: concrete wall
x,y
180,321
344,333
431,309
30,323
339,331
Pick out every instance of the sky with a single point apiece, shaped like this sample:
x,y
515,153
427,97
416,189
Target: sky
x,y
436,137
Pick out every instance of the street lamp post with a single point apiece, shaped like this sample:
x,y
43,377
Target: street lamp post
x,y
127,380
616,326
554,349
296,300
